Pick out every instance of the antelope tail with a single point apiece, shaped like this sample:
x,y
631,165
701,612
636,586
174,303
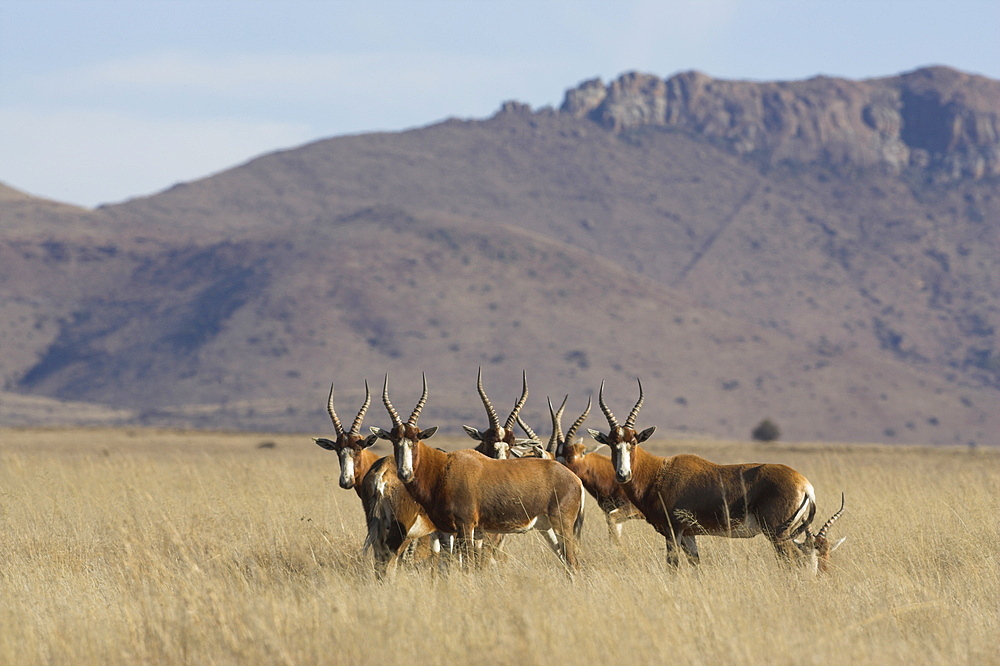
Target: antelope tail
x,y
374,525
578,525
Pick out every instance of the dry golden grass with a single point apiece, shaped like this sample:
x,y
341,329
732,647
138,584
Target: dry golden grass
x,y
159,547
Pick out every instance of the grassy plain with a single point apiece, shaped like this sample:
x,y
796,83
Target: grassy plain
x,y
154,547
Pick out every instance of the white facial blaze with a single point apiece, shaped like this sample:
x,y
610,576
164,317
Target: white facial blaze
x,y
624,466
346,468
404,459
625,463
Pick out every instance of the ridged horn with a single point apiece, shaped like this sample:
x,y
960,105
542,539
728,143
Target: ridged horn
x,y
612,421
571,433
356,427
526,428
494,419
630,421
833,518
333,413
557,437
520,401
388,405
420,403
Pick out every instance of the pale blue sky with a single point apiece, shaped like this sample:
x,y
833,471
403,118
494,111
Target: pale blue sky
x,y
101,101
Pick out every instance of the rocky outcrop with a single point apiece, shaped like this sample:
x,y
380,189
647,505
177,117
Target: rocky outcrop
x,y
935,119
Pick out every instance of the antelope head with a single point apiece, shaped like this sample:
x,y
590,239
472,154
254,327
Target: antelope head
x,y
404,436
349,443
568,448
622,438
816,547
498,441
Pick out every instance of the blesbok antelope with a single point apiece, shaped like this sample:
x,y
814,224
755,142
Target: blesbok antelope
x,y
498,441
393,518
595,471
467,494
684,496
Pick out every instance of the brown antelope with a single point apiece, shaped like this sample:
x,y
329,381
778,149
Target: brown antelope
x,y
595,471
498,441
467,494
393,518
683,496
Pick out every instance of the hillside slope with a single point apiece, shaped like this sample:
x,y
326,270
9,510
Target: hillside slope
x,y
844,300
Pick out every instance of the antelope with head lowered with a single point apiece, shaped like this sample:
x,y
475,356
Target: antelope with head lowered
x,y
467,494
393,518
684,496
595,471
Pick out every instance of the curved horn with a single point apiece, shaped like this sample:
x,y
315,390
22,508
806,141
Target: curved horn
x,y
520,402
356,427
630,421
388,405
420,403
494,419
612,421
527,429
826,525
557,437
333,414
571,433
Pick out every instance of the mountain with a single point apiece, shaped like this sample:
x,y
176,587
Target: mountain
x,y
824,253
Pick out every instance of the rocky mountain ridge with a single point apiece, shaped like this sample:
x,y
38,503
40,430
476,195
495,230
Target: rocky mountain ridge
x,y
936,120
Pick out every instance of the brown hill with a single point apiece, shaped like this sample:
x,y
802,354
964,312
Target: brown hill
x,y
841,298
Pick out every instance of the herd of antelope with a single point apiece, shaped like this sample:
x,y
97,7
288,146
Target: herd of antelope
x,y
464,502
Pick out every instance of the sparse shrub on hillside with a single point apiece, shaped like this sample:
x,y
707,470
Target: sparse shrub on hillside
x,y
766,431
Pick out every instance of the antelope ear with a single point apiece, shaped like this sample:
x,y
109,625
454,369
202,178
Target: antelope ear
x,y
381,434
371,439
598,435
593,447
427,434
325,443
837,545
644,435
473,433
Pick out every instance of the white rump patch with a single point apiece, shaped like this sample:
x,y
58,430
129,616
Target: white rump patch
x,y
804,506
380,483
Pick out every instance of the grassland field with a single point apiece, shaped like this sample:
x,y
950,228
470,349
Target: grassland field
x,y
162,547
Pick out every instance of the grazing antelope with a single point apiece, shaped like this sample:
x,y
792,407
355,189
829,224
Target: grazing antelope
x,y
683,496
467,494
498,441
531,447
393,518
595,471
